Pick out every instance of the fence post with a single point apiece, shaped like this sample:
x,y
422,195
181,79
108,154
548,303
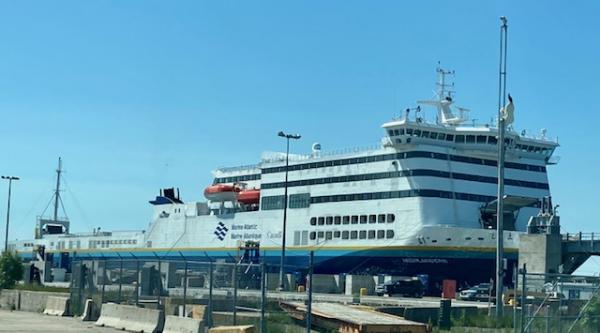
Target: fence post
x,y
185,283
263,297
103,282
235,287
120,280
137,284
515,297
310,282
523,296
159,287
210,295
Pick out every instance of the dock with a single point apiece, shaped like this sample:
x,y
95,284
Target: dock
x,y
353,319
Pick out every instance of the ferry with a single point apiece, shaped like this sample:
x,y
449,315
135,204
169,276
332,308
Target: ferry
x,y
422,202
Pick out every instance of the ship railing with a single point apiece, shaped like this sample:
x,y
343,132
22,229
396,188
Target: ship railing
x,y
321,154
238,168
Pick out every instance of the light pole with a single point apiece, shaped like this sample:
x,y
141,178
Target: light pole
x,y
285,200
10,179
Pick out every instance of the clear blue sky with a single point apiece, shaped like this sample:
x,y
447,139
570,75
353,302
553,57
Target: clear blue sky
x,y
139,95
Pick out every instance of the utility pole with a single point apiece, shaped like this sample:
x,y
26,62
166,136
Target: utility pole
x,y
285,200
10,179
501,151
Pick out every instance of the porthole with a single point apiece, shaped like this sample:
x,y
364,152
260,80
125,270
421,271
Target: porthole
x,y
313,221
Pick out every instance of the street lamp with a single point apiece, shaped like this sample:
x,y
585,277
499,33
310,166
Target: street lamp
x,y
285,200
10,179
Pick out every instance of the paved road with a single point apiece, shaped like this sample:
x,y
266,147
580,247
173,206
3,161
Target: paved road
x,y
29,322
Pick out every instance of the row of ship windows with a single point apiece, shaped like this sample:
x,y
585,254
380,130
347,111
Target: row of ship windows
x,y
107,243
354,234
404,173
352,219
276,202
400,156
236,179
480,139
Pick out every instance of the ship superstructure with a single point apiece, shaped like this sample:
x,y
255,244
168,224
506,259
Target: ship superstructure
x,y
422,202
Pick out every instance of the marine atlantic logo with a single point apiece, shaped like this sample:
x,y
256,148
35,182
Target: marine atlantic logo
x,y
221,231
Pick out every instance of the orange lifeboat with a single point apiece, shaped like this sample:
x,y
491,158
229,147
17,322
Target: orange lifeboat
x,y
221,192
249,197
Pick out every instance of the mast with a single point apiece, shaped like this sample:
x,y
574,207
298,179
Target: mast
x,y
57,190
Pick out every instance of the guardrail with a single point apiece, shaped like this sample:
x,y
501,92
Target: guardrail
x,y
581,236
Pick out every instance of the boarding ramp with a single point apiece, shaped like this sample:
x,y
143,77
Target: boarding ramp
x,y
577,248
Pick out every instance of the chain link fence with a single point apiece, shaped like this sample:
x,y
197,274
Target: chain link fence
x,y
556,303
218,292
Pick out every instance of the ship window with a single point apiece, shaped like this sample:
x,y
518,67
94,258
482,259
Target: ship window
x,y
391,133
396,132
337,220
273,202
434,241
296,237
433,135
354,234
460,139
345,234
449,137
467,238
448,239
372,218
321,220
417,132
313,221
301,200
441,136
481,138
381,218
480,238
329,220
346,219
425,134
470,138
371,234
313,235
328,235
363,219
409,131
320,234
389,234
354,219
362,234
492,140
336,234
401,131
304,239
380,234
391,218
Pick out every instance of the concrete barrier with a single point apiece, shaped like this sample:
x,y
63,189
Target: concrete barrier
x,y
175,324
35,301
131,318
233,329
9,299
88,311
356,282
57,306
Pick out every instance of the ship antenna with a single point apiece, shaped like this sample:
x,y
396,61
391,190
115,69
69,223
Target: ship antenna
x,y
57,199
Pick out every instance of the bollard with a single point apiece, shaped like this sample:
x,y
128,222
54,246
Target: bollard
x,y
363,292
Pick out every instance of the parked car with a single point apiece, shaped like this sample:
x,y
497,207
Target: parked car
x,y
411,287
480,292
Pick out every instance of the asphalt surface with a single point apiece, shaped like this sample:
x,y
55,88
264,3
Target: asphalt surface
x,y
29,322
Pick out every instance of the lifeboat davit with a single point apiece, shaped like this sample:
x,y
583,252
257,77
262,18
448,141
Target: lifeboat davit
x,y
249,197
221,192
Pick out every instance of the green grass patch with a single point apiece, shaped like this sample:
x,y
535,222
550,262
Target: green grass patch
x,y
35,287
